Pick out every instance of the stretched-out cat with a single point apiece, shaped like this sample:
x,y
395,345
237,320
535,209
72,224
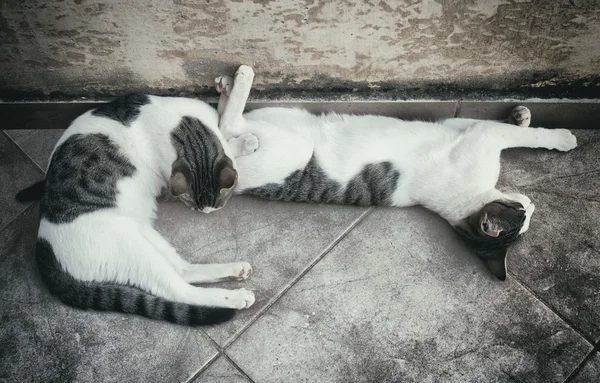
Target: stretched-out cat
x,y
450,167
96,246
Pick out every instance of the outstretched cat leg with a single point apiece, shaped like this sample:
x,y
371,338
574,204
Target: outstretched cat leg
x,y
232,121
197,273
223,85
519,116
511,136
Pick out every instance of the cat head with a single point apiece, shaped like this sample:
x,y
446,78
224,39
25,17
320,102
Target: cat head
x,y
491,230
207,192
204,176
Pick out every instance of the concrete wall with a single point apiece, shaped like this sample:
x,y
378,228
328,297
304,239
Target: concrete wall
x,y
381,49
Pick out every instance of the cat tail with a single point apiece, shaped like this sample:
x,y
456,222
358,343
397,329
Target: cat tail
x,y
120,298
31,193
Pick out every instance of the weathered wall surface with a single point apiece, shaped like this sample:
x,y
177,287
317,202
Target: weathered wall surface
x,y
408,48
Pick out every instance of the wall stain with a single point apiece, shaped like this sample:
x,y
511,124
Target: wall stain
x,y
359,45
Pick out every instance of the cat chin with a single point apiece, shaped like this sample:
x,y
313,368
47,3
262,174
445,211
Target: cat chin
x,y
207,209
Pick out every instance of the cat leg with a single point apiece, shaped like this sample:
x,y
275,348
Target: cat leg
x,y
520,198
232,120
160,278
519,116
196,273
527,205
528,213
223,85
141,264
217,272
243,145
511,136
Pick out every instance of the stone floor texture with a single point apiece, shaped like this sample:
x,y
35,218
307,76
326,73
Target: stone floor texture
x,y
344,294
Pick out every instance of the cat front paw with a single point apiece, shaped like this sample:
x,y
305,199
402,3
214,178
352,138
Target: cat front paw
x,y
240,271
223,85
241,299
565,140
520,116
249,143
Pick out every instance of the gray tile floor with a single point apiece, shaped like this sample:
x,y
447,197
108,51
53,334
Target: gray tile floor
x,y
344,294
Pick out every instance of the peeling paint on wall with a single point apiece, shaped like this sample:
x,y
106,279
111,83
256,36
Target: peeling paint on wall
x,y
95,47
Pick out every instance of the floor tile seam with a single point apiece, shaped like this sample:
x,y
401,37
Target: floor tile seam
x,y
555,311
237,367
18,216
581,365
24,152
294,281
206,365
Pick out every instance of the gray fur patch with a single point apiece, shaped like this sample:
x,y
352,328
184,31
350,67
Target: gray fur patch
x,y
124,109
82,177
374,185
121,298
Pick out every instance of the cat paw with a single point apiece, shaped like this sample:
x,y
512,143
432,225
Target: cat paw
x,y
223,85
244,74
240,271
241,299
565,140
520,116
249,143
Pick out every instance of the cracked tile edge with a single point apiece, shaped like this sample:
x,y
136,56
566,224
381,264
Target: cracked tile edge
x,y
296,279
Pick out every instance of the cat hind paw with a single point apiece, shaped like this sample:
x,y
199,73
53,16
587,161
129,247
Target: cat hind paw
x,y
520,116
223,85
242,271
241,299
566,140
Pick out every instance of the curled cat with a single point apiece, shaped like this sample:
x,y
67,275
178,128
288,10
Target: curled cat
x,y
96,246
450,167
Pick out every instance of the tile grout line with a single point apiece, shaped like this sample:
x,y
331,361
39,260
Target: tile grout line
x,y
580,366
36,165
276,298
237,367
211,360
30,203
555,311
23,151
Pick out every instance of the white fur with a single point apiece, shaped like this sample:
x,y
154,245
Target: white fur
x,y
119,245
450,166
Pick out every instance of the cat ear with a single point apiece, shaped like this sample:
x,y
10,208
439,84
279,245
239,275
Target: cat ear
x,y
227,177
487,227
179,181
497,264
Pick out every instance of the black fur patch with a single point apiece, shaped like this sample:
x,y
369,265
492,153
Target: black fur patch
x,y
124,109
120,298
201,150
486,246
374,185
31,193
82,177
